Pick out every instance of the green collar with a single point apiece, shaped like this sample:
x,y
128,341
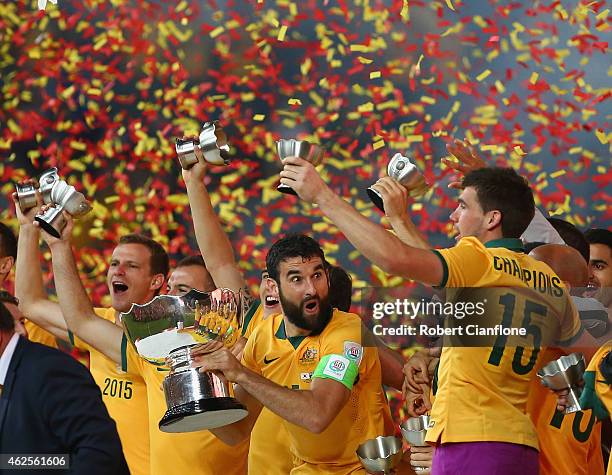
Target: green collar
x,y
281,334
512,244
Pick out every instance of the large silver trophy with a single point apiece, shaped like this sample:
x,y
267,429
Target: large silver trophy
x,y
414,431
56,192
212,141
168,331
401,169
310,152
566,372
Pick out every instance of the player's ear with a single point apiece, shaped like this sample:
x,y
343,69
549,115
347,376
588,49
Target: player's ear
x,y
157,282
493,219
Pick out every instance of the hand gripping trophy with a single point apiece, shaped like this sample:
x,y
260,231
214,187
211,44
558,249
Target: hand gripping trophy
x,y
310,152
401,169
56,192
212,141
169,330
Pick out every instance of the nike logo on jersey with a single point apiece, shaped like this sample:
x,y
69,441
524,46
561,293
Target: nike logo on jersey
x,y
268,361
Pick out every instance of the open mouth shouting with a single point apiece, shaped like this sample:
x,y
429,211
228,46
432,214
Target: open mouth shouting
x,y
119,287
270,301
311,306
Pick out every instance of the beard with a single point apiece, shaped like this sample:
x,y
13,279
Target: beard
x,y
295,314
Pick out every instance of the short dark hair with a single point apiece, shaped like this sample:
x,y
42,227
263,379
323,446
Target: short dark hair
x,y
504,190
196,260
340,288
8,242
572,236
599,236
294,245
7,324
159,262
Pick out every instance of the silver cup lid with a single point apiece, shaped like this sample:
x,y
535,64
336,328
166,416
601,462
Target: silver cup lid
x,y
564,372
381,454
311,152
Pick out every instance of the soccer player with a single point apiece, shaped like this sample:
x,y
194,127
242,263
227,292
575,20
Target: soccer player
x,y
136,273
170,453
308,365
570,444
600,265
488,386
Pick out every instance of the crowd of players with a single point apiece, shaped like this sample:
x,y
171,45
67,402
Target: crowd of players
x,y
310,374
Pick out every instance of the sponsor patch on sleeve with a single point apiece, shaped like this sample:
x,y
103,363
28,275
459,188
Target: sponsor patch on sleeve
x,y
338,368
353,351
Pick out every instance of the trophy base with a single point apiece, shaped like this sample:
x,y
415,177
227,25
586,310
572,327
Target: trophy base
x,y
376,199
203,414
286,189
48,227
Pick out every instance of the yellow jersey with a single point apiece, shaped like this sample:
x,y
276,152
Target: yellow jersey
x,y
181,453
570,444
482,390
39,335
269,435
597,392
292,361
125,398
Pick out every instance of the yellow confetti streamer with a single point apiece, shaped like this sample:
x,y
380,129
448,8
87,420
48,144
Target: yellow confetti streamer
x,y
534,78
216,32
282,32
519,151
259,117
374,74
449,4
483,75
378,144
293,101
557,173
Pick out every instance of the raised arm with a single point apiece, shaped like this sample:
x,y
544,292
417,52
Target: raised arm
x,y
214,244
76,307
29,287
372,240
395,199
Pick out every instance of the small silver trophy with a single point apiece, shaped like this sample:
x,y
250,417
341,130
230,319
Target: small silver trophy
x,y
414,431
213,143
26,192
57,192
565,373
168,331
298,148
401,169
380,455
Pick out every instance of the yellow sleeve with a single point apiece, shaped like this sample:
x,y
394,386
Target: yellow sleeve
x,y
465,264
39,335
345,339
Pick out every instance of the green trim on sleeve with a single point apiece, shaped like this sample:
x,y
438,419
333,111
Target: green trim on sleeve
x,y
71,337
249,316
444,269
339,368
124,363
589,398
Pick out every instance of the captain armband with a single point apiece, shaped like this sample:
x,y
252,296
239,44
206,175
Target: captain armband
x,y
339,368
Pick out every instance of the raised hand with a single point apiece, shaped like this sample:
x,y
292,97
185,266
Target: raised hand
x,y
65,234
394,195
468,159
198,171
